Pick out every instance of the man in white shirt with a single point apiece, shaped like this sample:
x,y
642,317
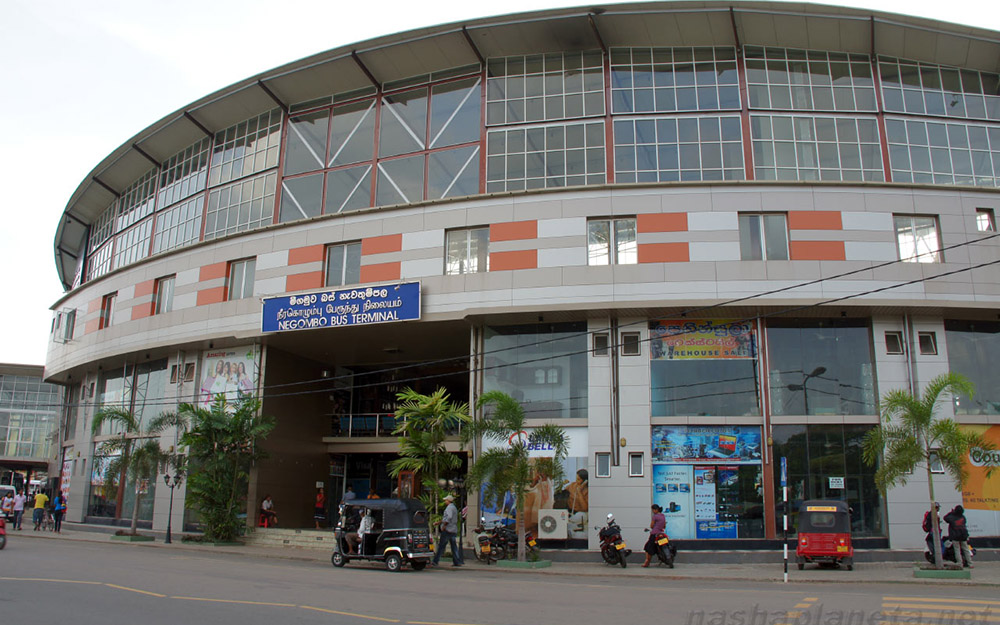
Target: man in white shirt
x,y
19,500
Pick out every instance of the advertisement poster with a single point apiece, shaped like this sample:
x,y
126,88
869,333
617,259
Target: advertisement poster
x,y
704,494
672,492
66,475
732,444
230,372
982,492
704,339
570,493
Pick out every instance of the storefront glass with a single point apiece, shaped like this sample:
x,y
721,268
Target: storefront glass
x,y
543,366
974,351
703,368
708,480
824,462
820,367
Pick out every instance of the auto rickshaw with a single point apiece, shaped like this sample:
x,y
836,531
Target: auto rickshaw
x,y
399,535
824,534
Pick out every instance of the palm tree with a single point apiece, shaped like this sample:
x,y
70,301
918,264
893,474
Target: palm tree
x,y
222,447
505,466
909,436
136,453
423,424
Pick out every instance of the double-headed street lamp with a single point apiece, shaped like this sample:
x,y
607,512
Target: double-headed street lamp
x,y
818,371
172,483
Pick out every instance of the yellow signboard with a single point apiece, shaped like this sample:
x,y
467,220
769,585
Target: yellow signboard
x,y
982,492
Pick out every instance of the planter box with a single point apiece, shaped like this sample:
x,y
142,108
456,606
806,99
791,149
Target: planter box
x,y
942,573
134,539
514,564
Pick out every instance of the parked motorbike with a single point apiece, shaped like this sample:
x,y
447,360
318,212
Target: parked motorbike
x,y
666,551
949,551
501,541
613,548
488,543
3,531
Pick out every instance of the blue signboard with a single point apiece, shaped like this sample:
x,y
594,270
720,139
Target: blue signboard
x,y
709,444
333,308
784,471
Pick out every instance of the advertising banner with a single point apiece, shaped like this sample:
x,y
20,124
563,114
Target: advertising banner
x,y
731,444
705,339
672,492
333,308
982,492
230,372
704,494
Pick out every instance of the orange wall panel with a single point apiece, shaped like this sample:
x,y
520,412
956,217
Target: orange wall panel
x,y
664,253
303,281
817,250
814,220
92,326
382,245
212,296
141,311
310,254
511,261
380,272
94,305
515,231
662,222
145,288
213,272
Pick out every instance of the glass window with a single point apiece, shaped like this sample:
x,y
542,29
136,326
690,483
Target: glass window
x,y
635,464
985,220
343,264
107,310
917,238
667,80
99,262
242,206
163,295
468,251
814,454
703,368
630,344
944,152
937,90
179,225
400,181
183,174
241,278
541,88
69,325
540,157
404,123
348,189
544,366
612,241
305,148
453,173
246,148
133,244
763,236
301,198
137,201
974,351
780,78
352,133
603,462
455,113
928,343
894,343
816,148
668,149
602,344
820,367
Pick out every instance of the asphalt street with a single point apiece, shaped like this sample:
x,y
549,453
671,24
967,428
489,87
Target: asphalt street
x,y
86,582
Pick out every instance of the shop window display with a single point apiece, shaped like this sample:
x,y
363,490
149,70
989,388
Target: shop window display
x,y
973,348
824,462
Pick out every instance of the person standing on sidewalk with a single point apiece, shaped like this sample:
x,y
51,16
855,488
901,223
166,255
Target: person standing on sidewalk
x,y
449,529
41,500
958,532
19,500
58,511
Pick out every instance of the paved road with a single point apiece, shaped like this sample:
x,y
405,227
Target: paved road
x,y
109,583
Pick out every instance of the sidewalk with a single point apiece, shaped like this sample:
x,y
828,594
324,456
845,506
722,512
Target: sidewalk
x,y
986,573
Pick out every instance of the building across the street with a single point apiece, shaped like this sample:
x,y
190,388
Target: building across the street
x,y
702,238
30,410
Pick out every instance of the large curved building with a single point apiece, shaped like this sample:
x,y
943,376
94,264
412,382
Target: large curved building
x,y
700,237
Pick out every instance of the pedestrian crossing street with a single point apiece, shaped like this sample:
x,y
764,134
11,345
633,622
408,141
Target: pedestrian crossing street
x,y
938,611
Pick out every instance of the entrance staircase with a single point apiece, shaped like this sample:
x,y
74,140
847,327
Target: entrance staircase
x,y
282,537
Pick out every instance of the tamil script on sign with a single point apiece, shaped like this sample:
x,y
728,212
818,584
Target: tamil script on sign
x,y
345,307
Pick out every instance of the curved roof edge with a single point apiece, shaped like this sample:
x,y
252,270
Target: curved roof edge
x,y
410,53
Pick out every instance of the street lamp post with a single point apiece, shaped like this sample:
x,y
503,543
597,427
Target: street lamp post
x,y
172,483
818,371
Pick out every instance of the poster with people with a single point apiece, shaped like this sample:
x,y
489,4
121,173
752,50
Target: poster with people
x,y
231,373
571,492
672,492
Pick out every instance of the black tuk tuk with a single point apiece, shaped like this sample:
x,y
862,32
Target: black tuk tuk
x,y
824,534
399,534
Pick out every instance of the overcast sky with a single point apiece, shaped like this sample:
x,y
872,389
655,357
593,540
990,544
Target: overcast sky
x,y
80,77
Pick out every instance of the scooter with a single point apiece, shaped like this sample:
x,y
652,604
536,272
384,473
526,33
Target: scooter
x,y
3,531
613,548
487,542
666,551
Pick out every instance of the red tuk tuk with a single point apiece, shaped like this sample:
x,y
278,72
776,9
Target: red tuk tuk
x,y
824,534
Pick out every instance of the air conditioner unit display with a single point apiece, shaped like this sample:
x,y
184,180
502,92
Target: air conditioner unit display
x,y
552,524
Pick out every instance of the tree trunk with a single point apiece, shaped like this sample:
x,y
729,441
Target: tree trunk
x,y
135,506
522,552
935,527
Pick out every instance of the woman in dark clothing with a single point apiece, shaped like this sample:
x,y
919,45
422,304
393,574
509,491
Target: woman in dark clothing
x,y
656,526
958,532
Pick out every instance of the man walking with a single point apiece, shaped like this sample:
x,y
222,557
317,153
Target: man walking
x,y
19,501
958,532
41,500
449,529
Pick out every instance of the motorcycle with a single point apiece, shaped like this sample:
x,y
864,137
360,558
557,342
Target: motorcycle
x,y
613,548
3,531
666,551
949,551
489,546
500,542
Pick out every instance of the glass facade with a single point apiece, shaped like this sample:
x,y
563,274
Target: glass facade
x,y
28,416
667,80
543,87
668,149
818,453
820,367
926,89
540,157
787,147
943,152
974,351
808,80
543,366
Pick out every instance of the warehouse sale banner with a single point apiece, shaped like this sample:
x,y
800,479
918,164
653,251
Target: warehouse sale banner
x,y
706,339
982,491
